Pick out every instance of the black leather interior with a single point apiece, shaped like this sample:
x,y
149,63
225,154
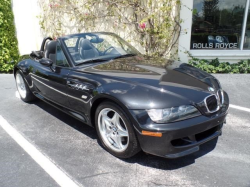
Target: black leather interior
x,y
52,57
87,50
50,50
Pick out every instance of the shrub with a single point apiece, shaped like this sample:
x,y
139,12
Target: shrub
x,y
214,66
9,54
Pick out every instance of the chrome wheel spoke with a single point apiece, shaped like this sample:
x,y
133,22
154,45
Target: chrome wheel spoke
x,y
115,119
122,132
17,80
109,134
107,123
20,85
117,141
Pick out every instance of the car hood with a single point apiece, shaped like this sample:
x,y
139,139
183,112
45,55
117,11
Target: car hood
x,y
165,77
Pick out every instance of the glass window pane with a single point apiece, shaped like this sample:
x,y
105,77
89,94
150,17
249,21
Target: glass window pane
x,y
246,44
71,42
217,24
60,58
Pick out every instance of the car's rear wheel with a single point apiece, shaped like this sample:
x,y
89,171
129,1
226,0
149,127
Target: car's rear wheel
x,y
23,89
115,130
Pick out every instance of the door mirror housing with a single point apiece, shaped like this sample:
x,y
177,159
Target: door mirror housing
x,y
46,62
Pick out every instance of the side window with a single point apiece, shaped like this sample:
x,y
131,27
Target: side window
x,y
60,58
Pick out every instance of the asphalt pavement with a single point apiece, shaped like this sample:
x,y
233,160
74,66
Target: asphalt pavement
x,y
74,148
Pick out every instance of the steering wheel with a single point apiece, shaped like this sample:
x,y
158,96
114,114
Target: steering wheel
x,y
104,52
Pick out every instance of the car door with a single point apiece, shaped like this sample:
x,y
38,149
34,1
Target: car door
x,y
81,86
52,81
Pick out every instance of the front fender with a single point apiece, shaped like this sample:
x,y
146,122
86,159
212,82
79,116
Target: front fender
x,y
26,67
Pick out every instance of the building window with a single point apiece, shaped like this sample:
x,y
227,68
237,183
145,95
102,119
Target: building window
x,y
220,25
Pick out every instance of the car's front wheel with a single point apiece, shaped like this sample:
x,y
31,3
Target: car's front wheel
x,y
115,130
23,89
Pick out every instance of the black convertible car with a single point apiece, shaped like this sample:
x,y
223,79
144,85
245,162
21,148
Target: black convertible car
x,y
135,102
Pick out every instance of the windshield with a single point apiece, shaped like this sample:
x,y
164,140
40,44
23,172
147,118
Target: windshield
x,y
97,47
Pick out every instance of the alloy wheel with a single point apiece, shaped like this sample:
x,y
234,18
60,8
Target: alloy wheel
x,y
113,130
21,85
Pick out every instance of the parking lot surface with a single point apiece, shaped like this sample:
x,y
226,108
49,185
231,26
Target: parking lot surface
x,y
74,148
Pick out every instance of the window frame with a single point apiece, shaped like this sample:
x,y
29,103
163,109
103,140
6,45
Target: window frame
x,y
243,32
185,53
58,44
244,26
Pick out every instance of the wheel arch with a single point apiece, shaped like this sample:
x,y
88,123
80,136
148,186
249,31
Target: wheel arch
x,y
15,70
136,144
20,70
102,98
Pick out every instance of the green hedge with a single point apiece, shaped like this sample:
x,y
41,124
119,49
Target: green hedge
x,y
9,54
214,66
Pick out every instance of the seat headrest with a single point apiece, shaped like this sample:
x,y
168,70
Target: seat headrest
x,y
86,44
50,48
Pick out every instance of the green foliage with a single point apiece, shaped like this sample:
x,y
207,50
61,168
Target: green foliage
x,y
214,66
9,54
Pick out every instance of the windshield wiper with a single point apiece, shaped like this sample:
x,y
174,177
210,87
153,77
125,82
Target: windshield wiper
x,y
91,60
126,55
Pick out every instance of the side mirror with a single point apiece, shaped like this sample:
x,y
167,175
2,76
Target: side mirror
x,y
46,62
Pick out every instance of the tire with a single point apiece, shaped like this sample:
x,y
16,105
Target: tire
x,y
115,131
23,89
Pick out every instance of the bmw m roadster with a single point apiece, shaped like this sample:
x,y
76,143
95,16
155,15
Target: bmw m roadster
x,y
135,102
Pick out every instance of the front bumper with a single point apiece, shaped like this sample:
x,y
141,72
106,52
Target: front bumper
x,y
178,138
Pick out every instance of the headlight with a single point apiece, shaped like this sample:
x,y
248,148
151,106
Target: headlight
x,y
173,114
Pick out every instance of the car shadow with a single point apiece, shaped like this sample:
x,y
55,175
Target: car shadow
x,y
141,158
172,164
72,122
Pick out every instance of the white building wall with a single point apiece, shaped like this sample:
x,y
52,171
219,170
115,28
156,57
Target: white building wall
x,y
186,27
28,32
29,35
